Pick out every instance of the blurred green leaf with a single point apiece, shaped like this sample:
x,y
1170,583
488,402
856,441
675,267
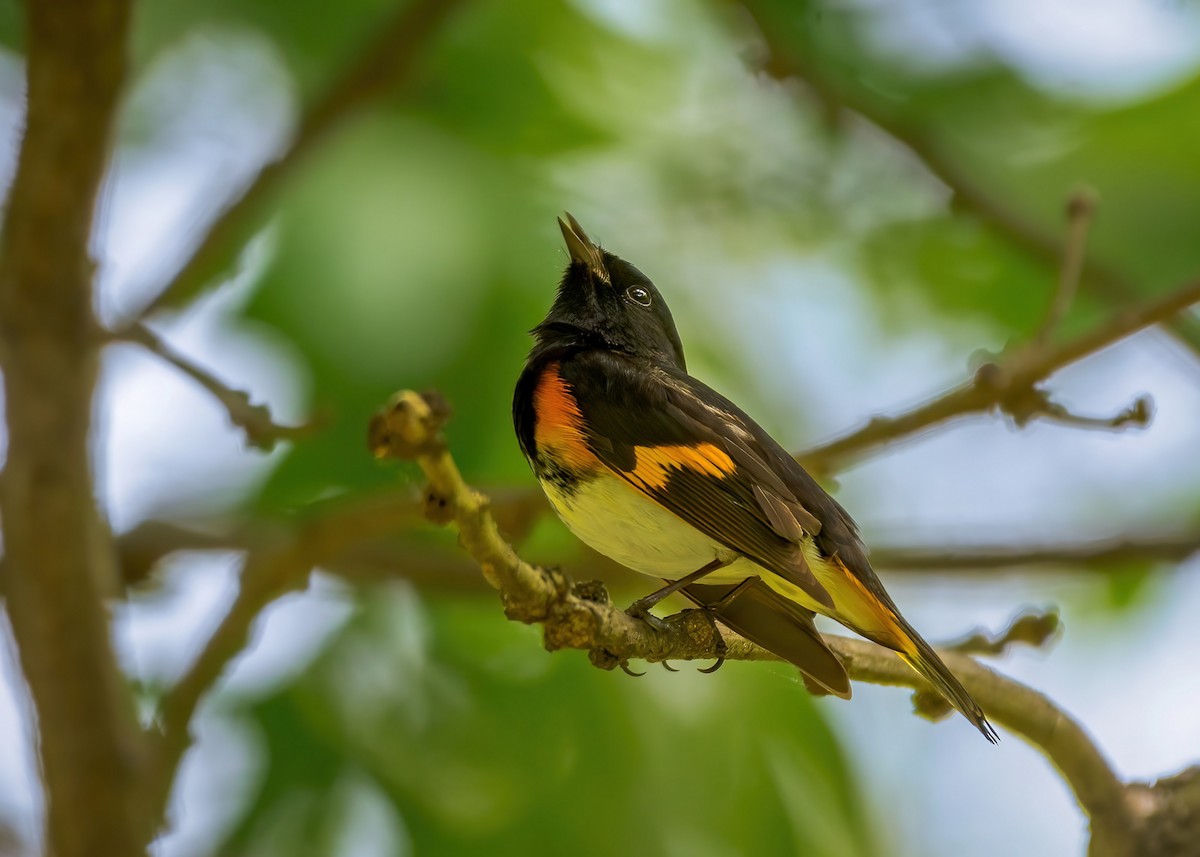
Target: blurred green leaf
x,y
482,742
957,269
1131,584
406,286
314,39
415,247
489,83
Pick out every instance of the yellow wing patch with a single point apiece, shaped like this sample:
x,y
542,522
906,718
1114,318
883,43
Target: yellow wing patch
x,y
654,463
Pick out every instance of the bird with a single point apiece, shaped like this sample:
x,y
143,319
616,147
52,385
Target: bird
x,y
656,470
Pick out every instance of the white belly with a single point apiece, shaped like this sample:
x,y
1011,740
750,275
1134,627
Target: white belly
x,y
614,518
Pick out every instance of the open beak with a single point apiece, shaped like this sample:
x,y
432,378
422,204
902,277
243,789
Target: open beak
x,y
579,245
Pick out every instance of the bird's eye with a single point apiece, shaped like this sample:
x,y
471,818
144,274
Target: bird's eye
x,y
638,295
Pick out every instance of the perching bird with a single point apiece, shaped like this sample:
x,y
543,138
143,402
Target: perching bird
x,y
656,470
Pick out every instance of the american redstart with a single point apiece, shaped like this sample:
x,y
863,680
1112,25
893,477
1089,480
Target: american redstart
x,y
656,470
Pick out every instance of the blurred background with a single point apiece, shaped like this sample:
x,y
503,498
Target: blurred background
x,y
840,216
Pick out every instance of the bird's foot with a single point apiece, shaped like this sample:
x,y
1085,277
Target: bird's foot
x,y
640,609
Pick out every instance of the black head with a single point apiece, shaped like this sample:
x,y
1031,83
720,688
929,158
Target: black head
x,y
605,301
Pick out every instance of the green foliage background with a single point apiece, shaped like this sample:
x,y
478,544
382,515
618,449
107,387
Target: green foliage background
x,y
416,245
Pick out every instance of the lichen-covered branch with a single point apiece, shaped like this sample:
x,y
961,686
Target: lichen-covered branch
x,y
580,615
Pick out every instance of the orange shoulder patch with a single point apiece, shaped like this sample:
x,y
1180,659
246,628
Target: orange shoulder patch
x,y
559,425
655,463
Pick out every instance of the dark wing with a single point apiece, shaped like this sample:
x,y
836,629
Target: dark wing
x,y
701,457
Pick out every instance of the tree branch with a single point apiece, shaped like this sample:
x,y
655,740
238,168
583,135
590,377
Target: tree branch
x,y
59,559
347,538
381,555
273,568
365,548
1105,553
1008,384
387,63
785,61
1103,796
581,616
262,432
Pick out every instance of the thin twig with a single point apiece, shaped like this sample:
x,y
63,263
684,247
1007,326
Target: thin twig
x,y
1080,209
1122,324
1033,628
581,616
262,432
1008,384
1137,413
386,64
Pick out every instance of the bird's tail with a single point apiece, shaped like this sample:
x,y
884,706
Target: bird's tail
x,y
868,610
921,657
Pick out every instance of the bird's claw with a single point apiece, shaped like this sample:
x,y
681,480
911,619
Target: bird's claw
x,y
625,669
667,666
719,645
